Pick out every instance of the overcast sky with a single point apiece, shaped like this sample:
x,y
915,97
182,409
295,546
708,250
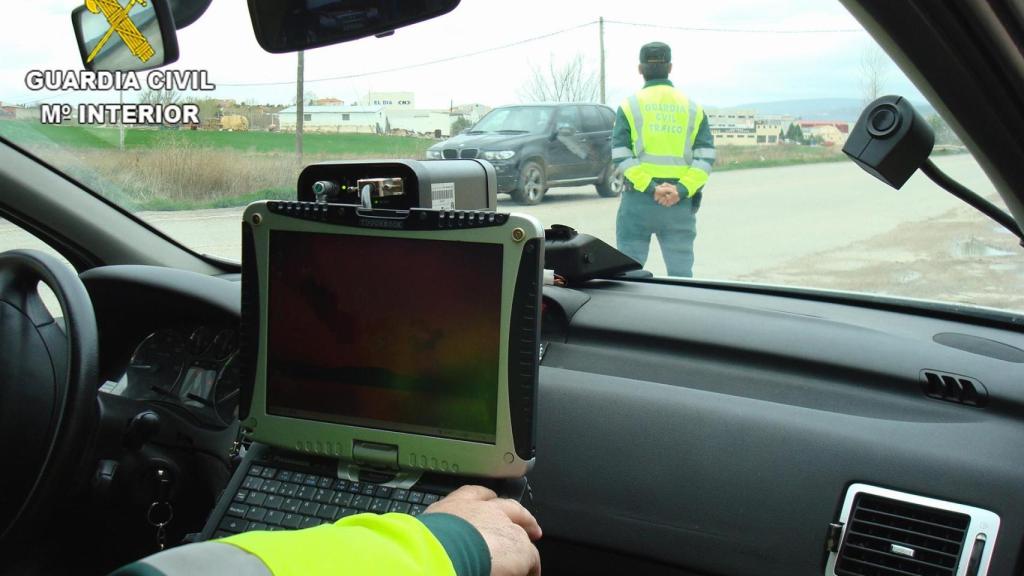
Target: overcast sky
x,y
714,67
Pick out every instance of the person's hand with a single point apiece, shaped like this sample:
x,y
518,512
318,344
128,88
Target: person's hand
x,y
666,194
506,526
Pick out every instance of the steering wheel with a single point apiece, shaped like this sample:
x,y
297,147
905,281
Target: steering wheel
x,y
48,378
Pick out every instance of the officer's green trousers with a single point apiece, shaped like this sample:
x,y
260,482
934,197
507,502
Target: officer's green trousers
x,y
676,228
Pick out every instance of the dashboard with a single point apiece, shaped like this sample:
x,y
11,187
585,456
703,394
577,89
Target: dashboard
x,y
739,423
194,370
169,339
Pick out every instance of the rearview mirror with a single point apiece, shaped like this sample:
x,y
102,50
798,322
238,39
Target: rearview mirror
x,y
136,36
301,25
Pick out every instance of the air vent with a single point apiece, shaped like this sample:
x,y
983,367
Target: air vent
x,y
891,537
954,388
889,533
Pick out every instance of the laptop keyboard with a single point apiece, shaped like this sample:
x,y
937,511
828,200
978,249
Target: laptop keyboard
x,y
272,498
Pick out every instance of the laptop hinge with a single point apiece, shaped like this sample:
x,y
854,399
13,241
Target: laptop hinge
x,y
374,455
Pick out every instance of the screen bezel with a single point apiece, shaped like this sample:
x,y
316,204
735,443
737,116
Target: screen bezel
x,y
463,457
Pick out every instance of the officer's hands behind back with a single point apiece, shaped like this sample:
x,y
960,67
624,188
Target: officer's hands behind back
x,y
666,194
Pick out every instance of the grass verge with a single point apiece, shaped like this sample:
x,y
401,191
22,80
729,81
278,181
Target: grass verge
x,y
188,170
34,135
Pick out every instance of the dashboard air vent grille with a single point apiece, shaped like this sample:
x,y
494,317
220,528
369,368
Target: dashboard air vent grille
x,y
886,537
954,388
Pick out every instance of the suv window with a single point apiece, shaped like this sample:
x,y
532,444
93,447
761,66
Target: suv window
x,y
532,119
608,116
568,117
592,121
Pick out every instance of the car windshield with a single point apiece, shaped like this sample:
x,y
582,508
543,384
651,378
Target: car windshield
x,y
755,190
521,119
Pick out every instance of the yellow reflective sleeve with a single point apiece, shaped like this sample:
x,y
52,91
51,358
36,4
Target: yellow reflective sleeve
x,y
361,545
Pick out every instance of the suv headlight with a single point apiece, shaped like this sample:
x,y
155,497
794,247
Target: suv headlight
x,y
433,154
498,154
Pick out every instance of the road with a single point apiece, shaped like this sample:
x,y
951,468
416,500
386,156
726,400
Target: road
x,y
820,225
749,220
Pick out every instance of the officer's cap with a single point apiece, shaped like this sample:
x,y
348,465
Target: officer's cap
x,y
655,53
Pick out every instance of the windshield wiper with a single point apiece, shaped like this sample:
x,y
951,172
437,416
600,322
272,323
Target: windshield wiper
x,y
513,131
476,131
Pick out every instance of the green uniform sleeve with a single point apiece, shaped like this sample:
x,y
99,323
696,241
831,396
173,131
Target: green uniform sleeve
x,y
465,546
622,138
704,140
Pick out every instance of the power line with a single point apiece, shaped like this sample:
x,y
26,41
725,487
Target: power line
x,y
519,43
542,37
419,64
733,30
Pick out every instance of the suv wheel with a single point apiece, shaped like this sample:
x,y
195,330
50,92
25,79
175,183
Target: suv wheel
x,y
533,183
612,183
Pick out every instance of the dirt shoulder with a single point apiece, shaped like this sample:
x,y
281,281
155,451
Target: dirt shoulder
x,y
959,256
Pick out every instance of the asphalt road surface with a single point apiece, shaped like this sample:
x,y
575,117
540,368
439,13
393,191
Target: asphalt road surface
x,y
749,219
778,225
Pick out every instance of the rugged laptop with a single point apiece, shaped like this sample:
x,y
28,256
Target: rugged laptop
x,y
393,357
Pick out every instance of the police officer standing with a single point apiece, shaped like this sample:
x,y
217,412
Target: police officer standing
x,y
663,146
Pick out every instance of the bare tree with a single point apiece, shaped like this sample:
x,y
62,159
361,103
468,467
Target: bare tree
x,y
162,97
874,72
567,82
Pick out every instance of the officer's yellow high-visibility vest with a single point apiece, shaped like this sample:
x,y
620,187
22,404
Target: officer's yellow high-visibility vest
x,y
663,124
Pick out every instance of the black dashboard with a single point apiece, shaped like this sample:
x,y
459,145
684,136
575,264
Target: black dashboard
x,y
759,413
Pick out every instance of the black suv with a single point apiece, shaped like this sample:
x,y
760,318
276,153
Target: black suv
x,y
538,146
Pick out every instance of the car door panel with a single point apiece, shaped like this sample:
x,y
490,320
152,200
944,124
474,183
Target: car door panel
x,y
597,135
685,435
567,156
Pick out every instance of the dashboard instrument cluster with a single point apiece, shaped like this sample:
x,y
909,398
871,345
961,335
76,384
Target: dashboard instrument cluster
x,y
196,370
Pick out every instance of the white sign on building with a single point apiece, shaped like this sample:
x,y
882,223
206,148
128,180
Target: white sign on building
x,y
390,100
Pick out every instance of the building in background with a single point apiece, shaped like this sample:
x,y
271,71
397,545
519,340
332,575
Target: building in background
x,y
771,129
336,119
327,102
733,127
379,113
471,112
747,127
433,123
27,113
826,132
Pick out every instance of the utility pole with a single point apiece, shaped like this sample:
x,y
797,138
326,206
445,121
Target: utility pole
x,y
120,122
299,105
601,28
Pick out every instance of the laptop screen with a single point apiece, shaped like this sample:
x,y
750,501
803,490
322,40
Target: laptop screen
x,y
390,333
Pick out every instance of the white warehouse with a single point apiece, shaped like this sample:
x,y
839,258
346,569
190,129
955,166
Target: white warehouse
x,y
356,119
435,123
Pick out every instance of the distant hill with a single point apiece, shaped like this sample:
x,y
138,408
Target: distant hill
x,y
847,109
